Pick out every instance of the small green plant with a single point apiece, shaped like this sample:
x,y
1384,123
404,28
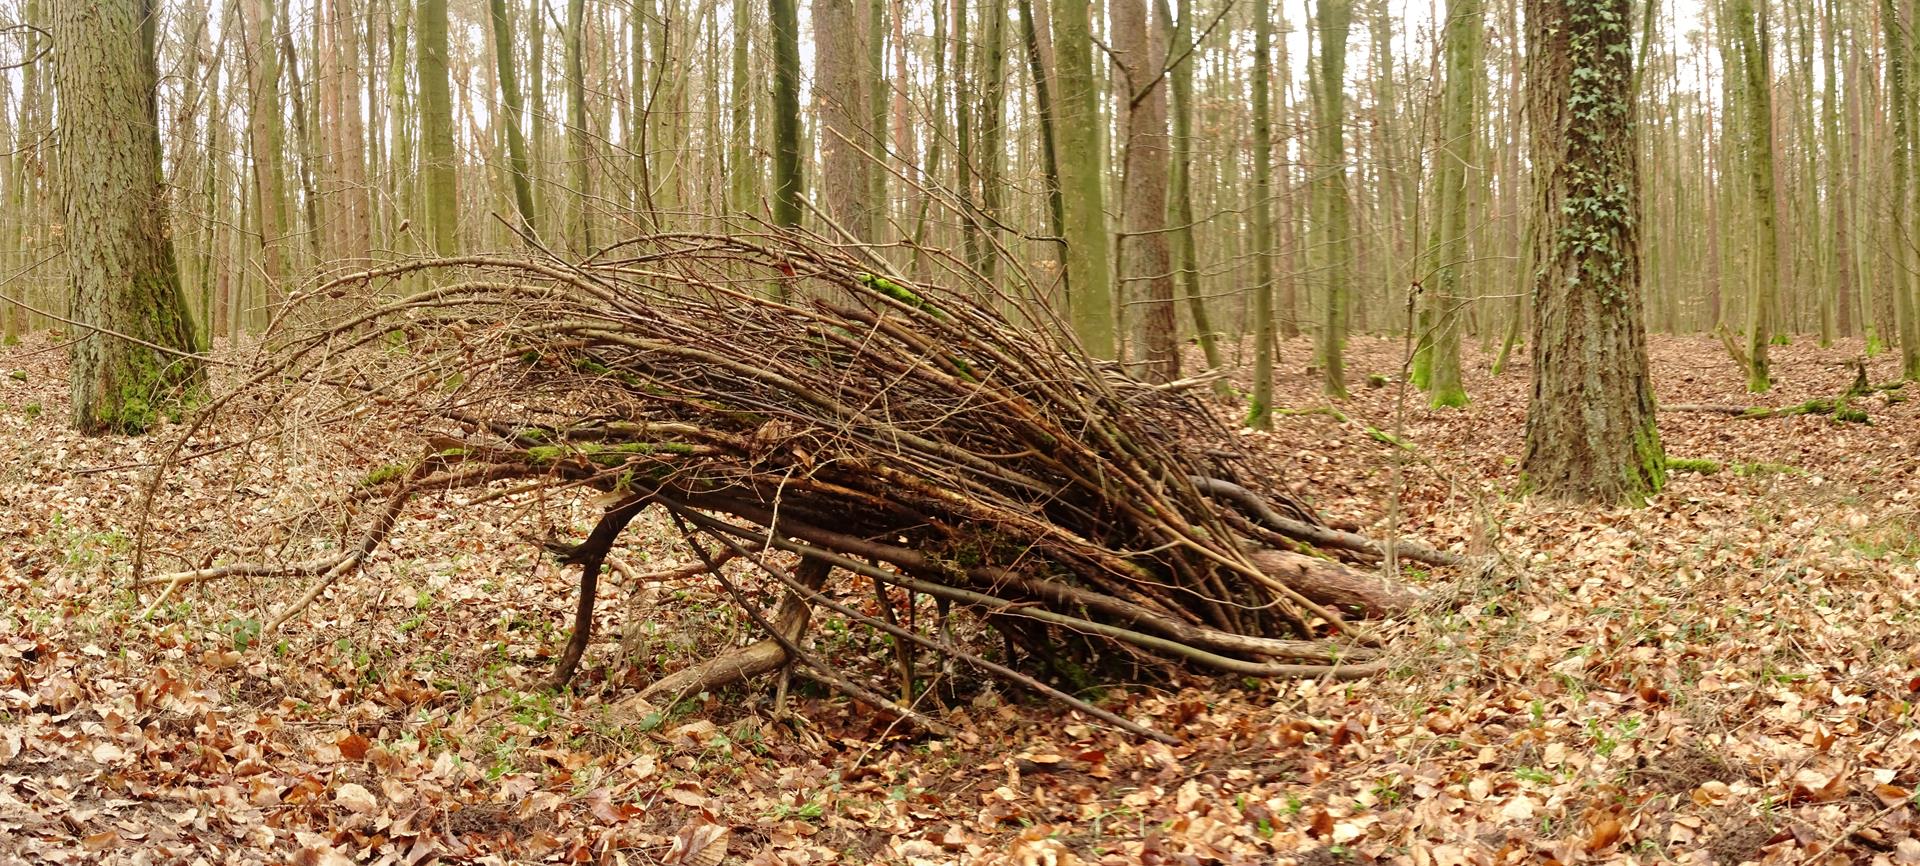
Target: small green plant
x,y
1606,741
808,811
243,632
1386,792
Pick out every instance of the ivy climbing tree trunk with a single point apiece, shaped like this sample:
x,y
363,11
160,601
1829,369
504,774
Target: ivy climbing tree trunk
x,y
121,263
1590,425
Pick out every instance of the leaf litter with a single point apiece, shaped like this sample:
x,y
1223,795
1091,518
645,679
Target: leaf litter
x,y
1726,676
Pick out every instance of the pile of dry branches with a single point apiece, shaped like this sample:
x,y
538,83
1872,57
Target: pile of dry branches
x,y
791,408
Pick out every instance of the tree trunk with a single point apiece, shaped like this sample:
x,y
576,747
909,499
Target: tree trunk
x,y
1260,411
400,123
1083,199
1763,294
878,205
537,106
1039,64
516,115
308,147
991,120
439,163
268,140
354,211
1586,443
840,100
121,265
1333,211
1186,264
1141,95
1840,192
1905,195
578,148
1455,164
786,112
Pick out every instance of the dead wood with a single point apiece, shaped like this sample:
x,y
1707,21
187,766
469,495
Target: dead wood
x,y
758,658
1336,585
911,435
1836,407
1317,535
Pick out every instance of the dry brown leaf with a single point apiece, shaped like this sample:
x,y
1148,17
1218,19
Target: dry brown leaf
x,y
355,798
1320,824
699,842
1810,785
1603,833
686,794
352,746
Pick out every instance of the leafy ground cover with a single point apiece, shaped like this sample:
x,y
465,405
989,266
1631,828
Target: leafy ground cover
x,y
1725,676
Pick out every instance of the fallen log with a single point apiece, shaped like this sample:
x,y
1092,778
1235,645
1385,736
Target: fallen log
x,y
1836,407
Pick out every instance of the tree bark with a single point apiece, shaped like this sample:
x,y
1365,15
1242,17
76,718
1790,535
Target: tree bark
x,y
121,264
787,189
1590,425
1905,195
1140,93
268,139
1040,67
1751,40
1455,162
578,149
1083,197
439,163
1260,411
1333,211
516,115
840,100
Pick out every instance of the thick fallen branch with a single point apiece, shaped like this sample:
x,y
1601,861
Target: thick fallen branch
x,y
1833,406
764,656
1321,536
1335,585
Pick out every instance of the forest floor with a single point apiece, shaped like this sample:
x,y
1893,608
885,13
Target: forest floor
x,y
1727,675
